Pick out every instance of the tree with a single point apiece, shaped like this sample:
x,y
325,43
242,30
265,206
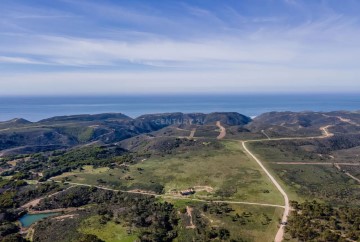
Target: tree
x,y
89,238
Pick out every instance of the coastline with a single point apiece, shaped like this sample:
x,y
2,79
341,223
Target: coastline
x,y
39,107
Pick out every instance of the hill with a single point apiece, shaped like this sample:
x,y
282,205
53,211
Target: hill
x,y
183,177
20,136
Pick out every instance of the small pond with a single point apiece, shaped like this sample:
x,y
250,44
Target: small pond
x,y
28,219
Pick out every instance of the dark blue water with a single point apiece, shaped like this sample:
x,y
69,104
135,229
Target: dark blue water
x,y
36,108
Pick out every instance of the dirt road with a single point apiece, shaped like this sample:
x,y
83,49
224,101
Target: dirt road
x,y
267,136
222,130
316,163
280,234
189,213
337,165
192,133
325,134
174,197
35,202
351,176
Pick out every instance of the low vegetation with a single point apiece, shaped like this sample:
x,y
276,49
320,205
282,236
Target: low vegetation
x,y
113,178
313,221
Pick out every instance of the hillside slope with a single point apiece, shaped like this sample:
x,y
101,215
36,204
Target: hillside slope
x,y
20,136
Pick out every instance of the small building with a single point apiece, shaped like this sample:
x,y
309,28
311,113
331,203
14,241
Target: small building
x,y
187,192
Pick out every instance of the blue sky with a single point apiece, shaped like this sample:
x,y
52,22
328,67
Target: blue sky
x,y
116,47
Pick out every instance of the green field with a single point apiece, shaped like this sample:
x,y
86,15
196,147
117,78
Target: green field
x,y
250,223
308,182
321,182
254,223
227,173
285,151
110,232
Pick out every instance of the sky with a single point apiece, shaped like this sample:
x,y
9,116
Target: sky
x,y
74,47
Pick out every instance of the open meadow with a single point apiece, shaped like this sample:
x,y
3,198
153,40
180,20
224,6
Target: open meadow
x,y
225,174
308,175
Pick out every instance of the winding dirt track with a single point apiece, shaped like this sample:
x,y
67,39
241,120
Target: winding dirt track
x,y
222,130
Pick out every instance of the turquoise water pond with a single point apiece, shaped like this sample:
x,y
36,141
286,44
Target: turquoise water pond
x,y
28,219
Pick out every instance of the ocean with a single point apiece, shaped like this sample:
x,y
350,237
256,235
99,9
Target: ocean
x,y
37,108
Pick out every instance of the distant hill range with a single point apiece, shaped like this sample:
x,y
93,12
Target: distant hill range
x,y
21,136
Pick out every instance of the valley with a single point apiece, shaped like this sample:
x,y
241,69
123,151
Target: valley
x,y
207,177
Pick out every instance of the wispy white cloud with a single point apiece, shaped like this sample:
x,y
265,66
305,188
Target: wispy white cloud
x,y
19,60
39,16
201,49
313,43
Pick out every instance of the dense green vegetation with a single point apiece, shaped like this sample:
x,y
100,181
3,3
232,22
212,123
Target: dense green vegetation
x,y
291,163
152,220
231,222
217,170
308,150
96,156
89,158
54,163
313,221
129,216
15,193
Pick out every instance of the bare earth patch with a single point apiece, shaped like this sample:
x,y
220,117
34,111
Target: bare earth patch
x,y
203,188
62,217
189,213
222,130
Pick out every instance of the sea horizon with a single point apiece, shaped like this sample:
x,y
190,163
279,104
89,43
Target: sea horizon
x,y
35,108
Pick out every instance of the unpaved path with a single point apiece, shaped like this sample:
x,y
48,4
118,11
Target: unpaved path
x,y
302,163
36,201
32,203
351,176
56,210
222,130
325,134
337,165
62,217
316,163
342,119
203,188
345,120
192,133
174,197
280,234
267,136
182,129
189,213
